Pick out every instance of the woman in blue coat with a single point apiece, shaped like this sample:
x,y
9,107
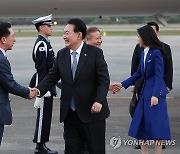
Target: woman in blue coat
x,y
150,120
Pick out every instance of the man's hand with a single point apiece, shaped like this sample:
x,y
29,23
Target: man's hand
x,y
33,92
96,108
115,87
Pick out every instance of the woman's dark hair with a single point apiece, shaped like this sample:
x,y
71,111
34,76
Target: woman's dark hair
x,y
154,24
150,39
79,26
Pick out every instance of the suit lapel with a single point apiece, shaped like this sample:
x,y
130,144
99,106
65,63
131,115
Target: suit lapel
x,y
1,53
82,60
67,66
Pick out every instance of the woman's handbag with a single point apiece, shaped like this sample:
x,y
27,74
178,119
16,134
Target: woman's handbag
x,y
133,104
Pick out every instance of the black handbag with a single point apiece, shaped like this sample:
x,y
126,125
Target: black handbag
x,y
133,104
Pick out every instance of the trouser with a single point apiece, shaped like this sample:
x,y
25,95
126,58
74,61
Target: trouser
x,y
77,132
1,132
43,121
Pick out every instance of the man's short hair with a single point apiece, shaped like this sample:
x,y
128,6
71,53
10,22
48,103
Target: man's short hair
x,y
91,30
79,26
4,29
153,24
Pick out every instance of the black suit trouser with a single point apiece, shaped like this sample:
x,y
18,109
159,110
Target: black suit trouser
x,y
1,132
43,121
77,132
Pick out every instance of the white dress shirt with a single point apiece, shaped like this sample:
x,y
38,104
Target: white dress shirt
x,y
4,53
78,53
145,54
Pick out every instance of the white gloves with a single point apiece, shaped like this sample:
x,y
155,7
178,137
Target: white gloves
x,y
38,102
48,94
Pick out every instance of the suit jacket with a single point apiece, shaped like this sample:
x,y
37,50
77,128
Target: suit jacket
x,y
168,68
8,85
91,83
153,75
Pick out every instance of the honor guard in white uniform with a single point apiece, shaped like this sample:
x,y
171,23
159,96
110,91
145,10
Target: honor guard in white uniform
x,y
43,57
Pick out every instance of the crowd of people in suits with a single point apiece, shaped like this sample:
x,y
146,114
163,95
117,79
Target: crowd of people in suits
x,y
85,82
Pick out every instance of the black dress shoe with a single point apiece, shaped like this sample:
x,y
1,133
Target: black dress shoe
x,y
163,147
137,147
43,149
49,150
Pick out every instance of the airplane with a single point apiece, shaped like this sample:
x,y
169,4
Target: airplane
x,y
83,8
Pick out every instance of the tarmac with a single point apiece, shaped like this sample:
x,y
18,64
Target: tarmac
x,y
118,51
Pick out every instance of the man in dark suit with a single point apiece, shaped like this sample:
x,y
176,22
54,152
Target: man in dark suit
x,y
168,69
84,106
7,82
93,37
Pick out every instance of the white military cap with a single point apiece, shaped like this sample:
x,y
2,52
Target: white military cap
x,y
45,20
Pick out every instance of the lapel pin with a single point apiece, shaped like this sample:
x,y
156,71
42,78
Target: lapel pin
x,y
85,55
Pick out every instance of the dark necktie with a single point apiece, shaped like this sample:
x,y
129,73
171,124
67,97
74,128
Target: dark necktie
x,y
74,66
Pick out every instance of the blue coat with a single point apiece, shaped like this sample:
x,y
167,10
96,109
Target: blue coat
x,y
150,122
8,85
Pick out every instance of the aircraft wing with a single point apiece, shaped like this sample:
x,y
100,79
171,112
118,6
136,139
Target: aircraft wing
x,y
61,8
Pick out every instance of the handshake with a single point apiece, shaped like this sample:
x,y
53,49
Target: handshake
x,y
33,92
115,87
